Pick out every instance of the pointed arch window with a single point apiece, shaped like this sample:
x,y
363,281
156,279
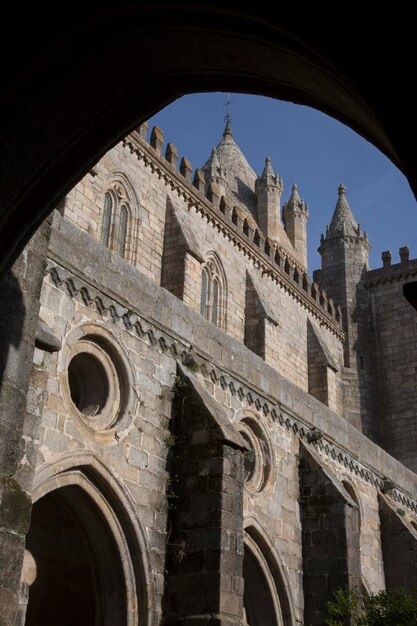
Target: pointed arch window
x,y
213,293
122,234
106,222
204,282
115,224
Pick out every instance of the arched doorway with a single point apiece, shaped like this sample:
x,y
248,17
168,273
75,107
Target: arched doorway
x,y
88,549
258,599
79,577
266,595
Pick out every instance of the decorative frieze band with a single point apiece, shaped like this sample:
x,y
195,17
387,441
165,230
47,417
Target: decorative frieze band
x,y
189,356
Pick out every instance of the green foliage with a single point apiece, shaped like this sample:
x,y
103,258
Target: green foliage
x,y
345,604
179,386
386,608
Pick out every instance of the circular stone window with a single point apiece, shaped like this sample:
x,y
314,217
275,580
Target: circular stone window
x,y
95,385
257,456
88,384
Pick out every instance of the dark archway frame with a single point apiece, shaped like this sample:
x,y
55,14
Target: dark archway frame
x,y
84,471
75,85
272,569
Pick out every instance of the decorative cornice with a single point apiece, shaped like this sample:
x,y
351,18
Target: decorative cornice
x,y
271,258
191,356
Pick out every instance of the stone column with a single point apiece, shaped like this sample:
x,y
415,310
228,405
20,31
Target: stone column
x,y
19,308
205,499
330,538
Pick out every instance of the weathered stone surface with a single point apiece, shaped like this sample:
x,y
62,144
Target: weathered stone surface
x,y
330,537
45,339
399,547
209,503
19,308
202,549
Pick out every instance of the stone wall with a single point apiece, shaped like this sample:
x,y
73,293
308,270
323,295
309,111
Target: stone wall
x,y
148,333
211,452
205,500
330,538
174,239
19,413
399,546
395,354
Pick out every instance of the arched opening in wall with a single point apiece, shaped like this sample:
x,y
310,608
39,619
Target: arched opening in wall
x,y
88,383
258,600
81,134
79,572
266,594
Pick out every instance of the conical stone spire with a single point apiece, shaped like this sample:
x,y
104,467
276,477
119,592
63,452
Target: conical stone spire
x,y
268,169
294,201
214,163
269,175
235,170
343,221
295,204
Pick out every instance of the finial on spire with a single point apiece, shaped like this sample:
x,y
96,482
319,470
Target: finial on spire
x,y
228,117
342,189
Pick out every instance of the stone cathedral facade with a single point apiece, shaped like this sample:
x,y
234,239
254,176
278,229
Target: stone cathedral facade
x,y
215,437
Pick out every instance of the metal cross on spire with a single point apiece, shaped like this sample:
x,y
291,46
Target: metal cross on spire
x,y
228,117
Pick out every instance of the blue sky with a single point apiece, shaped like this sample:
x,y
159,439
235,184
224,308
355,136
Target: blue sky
x,y
311,149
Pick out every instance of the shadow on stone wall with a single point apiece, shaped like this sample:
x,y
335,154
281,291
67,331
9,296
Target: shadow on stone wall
x,y
12,316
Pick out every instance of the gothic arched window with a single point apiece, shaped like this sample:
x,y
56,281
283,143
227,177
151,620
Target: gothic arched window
x,y
213,293
106,222
122,234
116,220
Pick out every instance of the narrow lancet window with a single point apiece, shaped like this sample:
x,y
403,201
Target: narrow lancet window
x,y
213,292
106,222
203,300
121,243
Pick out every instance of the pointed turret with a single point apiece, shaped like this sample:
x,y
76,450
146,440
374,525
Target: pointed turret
x,y
216,175
344,243
236,174
295,216
268,189
343,221
214,163
294,202
268,172
344,254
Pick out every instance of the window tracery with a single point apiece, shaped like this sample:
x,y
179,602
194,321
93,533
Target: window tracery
x,y
116,221
213,292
